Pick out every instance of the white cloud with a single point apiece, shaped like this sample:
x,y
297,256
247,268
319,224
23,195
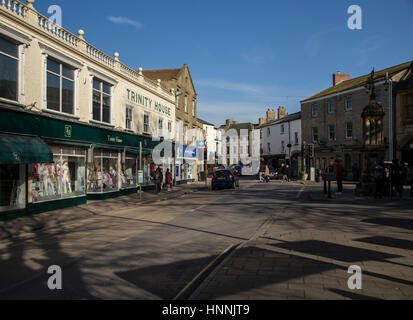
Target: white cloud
x,y
124,20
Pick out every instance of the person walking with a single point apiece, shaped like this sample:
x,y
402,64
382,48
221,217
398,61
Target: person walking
x,y
267,174
379,178
158,179
339,177
236,177
396,178
284,173
168,179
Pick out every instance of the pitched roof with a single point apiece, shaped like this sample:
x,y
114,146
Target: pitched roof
x,y
207,123
163,74
361,81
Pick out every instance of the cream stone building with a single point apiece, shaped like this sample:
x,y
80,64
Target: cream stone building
x,y
75,123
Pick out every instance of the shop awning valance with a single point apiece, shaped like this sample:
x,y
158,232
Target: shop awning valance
x,y
23,150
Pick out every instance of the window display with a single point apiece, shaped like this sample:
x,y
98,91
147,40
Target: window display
x,y
103,172
128,174
62,179
12,187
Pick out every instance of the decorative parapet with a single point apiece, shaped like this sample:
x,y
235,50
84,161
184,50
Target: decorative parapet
x,y
28,14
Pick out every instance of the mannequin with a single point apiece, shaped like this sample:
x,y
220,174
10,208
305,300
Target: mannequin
x,y
114,177
66,183
44,176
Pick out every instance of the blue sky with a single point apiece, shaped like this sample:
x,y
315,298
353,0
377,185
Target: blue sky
x,y
247,56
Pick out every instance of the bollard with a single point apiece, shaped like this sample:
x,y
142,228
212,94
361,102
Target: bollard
x,y
329,188
325,185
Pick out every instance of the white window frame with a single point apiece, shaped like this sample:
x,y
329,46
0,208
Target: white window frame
x,y
186,104
282,129
193,108
296,138
346,103
111,116
331,103
314,107
131,117
23,42
62,58
330,126
347,136
148,125
282,146
312,134
94,73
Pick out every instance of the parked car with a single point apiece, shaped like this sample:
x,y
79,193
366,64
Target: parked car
x,y
223,178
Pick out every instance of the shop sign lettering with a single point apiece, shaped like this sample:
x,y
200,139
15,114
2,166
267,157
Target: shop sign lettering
x,y
147,102
114,139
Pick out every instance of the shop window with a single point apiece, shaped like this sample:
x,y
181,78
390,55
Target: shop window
x,y
146,123
103,172
129,119
128,174
9,62
12,187
64,178
60,87
101,101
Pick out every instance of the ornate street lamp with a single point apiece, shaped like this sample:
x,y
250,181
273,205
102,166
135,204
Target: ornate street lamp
x,y
373,138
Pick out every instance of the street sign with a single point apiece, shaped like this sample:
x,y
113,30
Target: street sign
x,y
140,177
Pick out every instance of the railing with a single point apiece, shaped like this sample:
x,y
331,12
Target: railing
x,y
15,7
56,31
100,56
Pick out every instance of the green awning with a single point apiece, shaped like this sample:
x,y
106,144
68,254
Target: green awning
x,y
23,150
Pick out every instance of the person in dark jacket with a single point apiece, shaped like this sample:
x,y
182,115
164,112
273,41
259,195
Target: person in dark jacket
x,y
379,178
158,179
396,177
339,177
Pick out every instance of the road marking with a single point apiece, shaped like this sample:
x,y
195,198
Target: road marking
x,y
301,192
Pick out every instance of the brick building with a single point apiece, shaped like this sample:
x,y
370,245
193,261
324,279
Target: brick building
x,y
331,119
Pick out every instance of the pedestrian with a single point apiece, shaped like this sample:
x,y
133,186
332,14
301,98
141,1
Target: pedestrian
x,y
158,179
236,177
288,170
261,176
267,173
168,179
396,178
284,173
379,178
339,177
152,171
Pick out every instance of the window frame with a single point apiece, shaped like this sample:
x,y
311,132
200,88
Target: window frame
x,y
348,106
314,107
148,124
314,130
61,78
101,100
131,117
22,41
332,129
347,136
331,107
186,104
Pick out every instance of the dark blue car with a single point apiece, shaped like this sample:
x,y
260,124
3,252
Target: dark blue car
x,y
223,178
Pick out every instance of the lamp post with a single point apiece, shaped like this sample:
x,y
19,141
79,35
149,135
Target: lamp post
x,y
388,85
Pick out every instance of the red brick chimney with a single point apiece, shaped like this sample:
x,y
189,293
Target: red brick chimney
x,y
338,77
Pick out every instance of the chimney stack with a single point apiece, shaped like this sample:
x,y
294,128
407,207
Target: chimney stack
x,y
339,77
229,122
282,113
270,115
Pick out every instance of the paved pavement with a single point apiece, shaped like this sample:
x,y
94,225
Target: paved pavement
x,y
293,243
306,250
26,227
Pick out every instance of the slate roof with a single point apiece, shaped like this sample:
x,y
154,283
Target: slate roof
x,y
207,123
290,117
361,81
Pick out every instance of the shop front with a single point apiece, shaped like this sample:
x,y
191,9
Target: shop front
x,y
17,153
47,163
186,168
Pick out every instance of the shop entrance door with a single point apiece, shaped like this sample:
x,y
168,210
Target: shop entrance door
x,y
12,187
